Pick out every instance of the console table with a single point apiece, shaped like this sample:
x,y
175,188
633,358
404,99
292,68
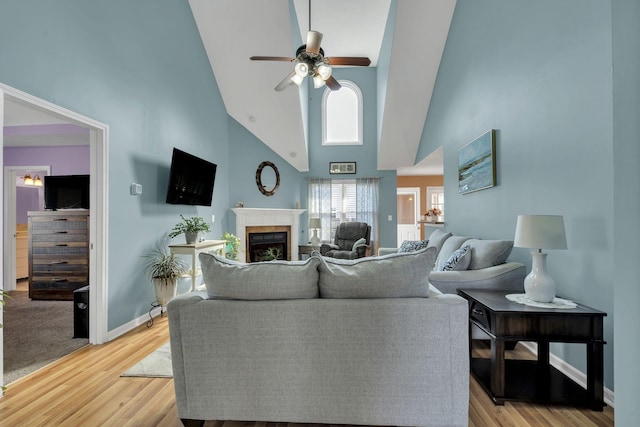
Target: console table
x,y
535,380
194,249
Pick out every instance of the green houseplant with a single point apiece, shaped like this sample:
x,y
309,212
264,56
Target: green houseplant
x,y
190,227
164,269
231,249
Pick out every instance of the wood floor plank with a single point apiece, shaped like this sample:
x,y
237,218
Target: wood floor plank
x,y
85,389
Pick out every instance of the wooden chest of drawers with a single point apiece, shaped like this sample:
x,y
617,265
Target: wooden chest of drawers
x,y
58,253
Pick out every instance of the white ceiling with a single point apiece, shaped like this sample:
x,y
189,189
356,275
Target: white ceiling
x,y
234,30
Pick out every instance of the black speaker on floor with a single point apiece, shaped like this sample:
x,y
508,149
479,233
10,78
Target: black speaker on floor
x,y
81,312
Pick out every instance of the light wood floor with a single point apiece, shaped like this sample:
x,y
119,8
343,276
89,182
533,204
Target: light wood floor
x,y
85,389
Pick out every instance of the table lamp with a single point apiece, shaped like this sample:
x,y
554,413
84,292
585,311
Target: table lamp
x,y
540,232
315,224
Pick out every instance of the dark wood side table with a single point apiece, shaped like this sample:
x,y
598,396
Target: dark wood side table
x,y
535,380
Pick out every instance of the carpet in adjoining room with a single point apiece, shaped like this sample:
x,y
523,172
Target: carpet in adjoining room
x,y
36,333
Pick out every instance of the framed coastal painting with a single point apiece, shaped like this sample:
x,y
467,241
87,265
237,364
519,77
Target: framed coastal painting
x,y
477,163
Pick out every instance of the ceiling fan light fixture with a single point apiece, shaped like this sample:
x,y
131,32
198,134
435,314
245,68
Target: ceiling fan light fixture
x,y
297,79
324,71
302,70
318,81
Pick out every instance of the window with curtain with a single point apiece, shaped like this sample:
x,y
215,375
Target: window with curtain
x,y
344,200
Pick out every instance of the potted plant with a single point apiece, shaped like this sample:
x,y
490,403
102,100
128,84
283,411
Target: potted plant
x,y
163,268
190,227
231,249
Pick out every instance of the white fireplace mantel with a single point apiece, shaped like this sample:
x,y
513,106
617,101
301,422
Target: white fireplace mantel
x,y
250,217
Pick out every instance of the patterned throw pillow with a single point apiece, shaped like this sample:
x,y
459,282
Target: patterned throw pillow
x,y
459,260
412,245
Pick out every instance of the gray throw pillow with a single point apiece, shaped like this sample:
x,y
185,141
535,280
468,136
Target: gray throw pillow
x,y
412,245
487,253
227,279
397,275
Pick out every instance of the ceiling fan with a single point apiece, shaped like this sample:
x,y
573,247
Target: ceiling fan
x,y
310,61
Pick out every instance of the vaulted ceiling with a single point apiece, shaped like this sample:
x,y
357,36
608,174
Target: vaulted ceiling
x,y
234,30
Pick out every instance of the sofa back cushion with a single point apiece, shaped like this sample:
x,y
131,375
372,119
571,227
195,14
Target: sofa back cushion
x,y
227,279
449,246
398,275
487,253
437,239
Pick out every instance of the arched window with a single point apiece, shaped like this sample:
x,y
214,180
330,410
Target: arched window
x,y
342,115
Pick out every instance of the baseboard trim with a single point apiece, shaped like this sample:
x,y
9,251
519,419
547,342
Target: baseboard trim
x,y
576,375
121,330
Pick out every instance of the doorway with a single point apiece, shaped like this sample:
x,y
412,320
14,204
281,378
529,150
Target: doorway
x,y
408,203
13,103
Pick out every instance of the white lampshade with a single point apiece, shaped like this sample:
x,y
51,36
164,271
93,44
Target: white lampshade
x,y
324,71
540,232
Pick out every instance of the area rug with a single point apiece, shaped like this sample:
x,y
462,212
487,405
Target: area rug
x,y
36,333
155,365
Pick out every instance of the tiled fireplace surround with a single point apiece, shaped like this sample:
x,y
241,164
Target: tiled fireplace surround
x,y
255,220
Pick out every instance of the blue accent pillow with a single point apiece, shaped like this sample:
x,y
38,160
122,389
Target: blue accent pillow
x,y
412,246
459,260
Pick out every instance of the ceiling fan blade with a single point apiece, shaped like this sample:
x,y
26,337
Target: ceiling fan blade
x,y
272,58
286,82
314,39
349,60
332,83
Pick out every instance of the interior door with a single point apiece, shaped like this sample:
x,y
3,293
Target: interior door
x,y
408,203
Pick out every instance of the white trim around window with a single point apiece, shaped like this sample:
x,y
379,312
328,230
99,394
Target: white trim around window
x,y
350,129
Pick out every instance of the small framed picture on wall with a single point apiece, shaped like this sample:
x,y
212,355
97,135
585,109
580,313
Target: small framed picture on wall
x,y
342,167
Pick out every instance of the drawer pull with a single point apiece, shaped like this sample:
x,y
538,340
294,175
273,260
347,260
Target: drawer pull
x,y
477,312
61,244
59,262
61,232
61,219
59,280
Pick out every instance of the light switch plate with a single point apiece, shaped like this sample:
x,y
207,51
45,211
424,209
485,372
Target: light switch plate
x,y
136,189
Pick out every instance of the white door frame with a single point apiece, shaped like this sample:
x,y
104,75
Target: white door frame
x,y
9,276
98,213
415,191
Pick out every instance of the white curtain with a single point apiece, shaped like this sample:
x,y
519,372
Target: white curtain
x,y
320,205
367,202
367,206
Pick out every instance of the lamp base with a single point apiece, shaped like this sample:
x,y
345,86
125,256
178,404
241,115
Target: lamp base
x,y
539,285
315,240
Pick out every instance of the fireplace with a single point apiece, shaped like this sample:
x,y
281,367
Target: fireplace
x,y
267,246
269,221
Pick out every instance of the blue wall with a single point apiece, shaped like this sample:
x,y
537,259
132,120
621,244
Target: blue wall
x,y
246,152
539,73
139,67
626,207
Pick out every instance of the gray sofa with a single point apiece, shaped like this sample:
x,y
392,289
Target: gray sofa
x,y
321,341
487,268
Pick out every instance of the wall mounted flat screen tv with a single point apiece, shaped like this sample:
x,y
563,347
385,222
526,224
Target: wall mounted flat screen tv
x,y
66,192
191,180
